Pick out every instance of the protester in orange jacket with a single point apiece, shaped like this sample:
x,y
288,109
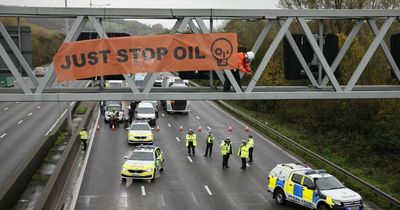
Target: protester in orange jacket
x,y
244,61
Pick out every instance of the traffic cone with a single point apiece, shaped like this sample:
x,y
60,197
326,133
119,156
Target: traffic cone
x,y
199,129
230,129
180,129
247,129
98,127
158,128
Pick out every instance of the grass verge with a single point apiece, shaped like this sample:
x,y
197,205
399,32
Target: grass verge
x,y
81,110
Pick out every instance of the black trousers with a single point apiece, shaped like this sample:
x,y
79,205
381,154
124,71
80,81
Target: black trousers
x,y
191,147
209,147
84,142
225,159
251,154
227,83
243,163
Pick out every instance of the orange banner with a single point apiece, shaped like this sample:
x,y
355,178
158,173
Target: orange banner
x,y
138,54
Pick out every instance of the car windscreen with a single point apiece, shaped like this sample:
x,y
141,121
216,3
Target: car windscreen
x,y
146,156
110,108
328,183
146,110
140,127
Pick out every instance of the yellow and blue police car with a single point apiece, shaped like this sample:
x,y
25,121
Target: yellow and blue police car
x,y
145,162
315,189
140,133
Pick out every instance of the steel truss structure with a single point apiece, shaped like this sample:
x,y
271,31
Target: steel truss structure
x,y
321,88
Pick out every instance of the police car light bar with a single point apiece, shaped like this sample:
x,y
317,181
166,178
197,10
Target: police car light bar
x,y
319,171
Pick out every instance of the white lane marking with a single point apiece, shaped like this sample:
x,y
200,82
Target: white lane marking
x,y
19,122
2,135
208,189
198,117
51,128
247,165
30,114
143,191
17,102
190,159
38,107
209,128
178,139
5,109
152,128
77,188
163,114
123,200
194,199
169,125
163,201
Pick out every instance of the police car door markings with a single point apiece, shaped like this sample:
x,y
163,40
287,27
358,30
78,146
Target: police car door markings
x,y
190,159
178,139
208,189
30,114
143,191
169,125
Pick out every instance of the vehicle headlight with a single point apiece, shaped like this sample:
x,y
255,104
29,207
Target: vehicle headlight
x,y
337,202
124,169
150,170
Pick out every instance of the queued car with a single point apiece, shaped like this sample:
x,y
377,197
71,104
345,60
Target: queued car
x,y
158,81
140,132
108,109
145,111
145,162
155,105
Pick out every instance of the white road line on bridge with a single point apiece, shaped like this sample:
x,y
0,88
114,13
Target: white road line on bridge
x,y
17,102
178,139
197,117
30,114
38,107
163,201
143,191
208,127
19,122
123,200
5,109
52,127
194,199
190,159
169,125
2,135
208,189
247,165
163,114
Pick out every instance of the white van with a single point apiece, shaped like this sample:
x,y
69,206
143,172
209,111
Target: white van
x,y
145,111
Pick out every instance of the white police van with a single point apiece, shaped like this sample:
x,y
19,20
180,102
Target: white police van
x,y
315,189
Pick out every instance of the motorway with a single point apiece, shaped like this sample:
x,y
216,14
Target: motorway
x,y
186,183
24,125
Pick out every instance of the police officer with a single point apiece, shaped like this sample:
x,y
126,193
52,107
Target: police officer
x,y
84,137
250,145
209,143
191,142
243,153
224,147
229,148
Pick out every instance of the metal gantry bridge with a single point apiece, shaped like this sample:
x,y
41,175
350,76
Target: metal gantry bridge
x,y
326,88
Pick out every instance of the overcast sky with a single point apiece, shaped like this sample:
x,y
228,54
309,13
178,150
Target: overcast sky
x,y
227,4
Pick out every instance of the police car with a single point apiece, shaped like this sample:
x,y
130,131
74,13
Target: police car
x,y
315,189
140,132
145,162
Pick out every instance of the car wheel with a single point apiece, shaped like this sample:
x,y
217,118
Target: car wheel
x,y
323,207
280,197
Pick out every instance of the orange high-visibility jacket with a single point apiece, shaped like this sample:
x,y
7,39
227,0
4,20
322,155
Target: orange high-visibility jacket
x,y
243,65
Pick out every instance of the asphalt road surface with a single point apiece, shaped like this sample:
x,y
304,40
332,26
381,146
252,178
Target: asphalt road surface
x,y
186,183
23,125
